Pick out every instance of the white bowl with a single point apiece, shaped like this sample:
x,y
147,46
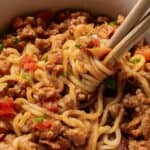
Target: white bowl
x,y
12,8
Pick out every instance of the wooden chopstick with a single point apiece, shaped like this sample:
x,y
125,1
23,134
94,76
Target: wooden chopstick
x,y
128,41
135,14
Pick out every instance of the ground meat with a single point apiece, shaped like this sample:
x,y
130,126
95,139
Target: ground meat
x,y
84,99
41,33
79,18
40,22
56,130
66,103
46,135
42,44
65,145
132,101
139,145
62,27
102,19
17,23
53,137
60,144
45,93
21,45
57,70
29,20
138,125
14,42
18,90
9,42
76,136
27,32
55,58
120,19
105,31
60,137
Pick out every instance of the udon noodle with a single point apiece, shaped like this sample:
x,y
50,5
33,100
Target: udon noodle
x,y
56,93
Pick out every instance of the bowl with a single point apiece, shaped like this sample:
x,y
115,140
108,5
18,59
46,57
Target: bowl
x,y
17,7
10,9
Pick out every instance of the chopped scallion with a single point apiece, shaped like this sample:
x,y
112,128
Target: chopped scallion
x,y
135,60
78,46
39,119
27,76
46,58
113,23
103,43
16,40
110,83
45,116
62,74
1,46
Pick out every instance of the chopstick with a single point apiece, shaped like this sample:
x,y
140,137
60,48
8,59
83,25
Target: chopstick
x,y
133,17
128,41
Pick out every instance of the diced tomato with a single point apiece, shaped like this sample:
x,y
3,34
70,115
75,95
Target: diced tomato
x,y
45,16
145,52
43,125
95,42
50,106
7,108
28,63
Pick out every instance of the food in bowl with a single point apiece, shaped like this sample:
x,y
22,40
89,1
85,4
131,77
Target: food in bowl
x,y
50,65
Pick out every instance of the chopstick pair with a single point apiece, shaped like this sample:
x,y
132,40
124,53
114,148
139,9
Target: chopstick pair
x,y
133,27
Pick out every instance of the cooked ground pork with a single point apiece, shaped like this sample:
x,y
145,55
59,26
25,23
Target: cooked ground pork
x,y
139,145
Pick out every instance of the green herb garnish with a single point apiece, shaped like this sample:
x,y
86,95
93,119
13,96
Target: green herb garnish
x,y
45,116
103,43
1,46
62,74
113,23
46,58
39,119
110,83
135,60
27,76
16,40
78,46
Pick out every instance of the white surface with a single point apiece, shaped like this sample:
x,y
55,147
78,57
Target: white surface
x,y
12,8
